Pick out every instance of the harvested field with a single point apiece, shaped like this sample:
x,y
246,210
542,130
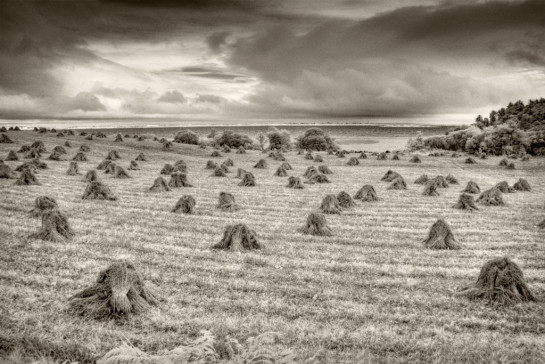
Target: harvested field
x,y
370,289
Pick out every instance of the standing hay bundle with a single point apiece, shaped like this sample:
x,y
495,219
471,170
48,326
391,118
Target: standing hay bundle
x,y
455,155
240,173
317,178
211,165
318,159
141,158
84,148
73,169
238,237
180,166
215,154
91,176
472,187
229,162
80,157
248,180
6,172
261,164
110,168
345,200
430,189
113,155
286,166
5,139
120,173
3,129
309,156
24,149
504,162
330,205
227,202
382,156
362,156
55,156
504,187
324,169
522,185
241,150
133,166
452,180
83,133
295,182
353,161
27,178
167,169
118,138
159,185
441,182
278,156
422,179
398,184
310,172
441,237
281,172
390,176
541,225
510,166
483,156
98,191
300,151
12,156
415,159
167,144
342,154
89,137
366,193
185,205
465,202
178,179
492,197
500,283
218,172
395,157
224,168
470,160
104,164
119,291
33,153
54,228
32,165
59,149
316,224
41,204
226,149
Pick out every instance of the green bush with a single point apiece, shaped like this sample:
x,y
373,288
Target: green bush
x,y
186,137
233,140
315,139
279,139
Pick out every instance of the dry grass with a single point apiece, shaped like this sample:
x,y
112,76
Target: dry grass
x,y
371,289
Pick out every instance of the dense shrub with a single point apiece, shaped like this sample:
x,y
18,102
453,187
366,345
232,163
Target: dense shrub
x,y
186,137
315,139
279,138
233,140
517,129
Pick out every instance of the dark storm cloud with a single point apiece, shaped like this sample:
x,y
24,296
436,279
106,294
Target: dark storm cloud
x,y
216,40
404,61
208,72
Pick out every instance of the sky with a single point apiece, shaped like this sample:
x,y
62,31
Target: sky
x,y
267,58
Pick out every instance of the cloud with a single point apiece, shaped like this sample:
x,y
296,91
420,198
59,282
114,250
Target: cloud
x,y
173,97
433,59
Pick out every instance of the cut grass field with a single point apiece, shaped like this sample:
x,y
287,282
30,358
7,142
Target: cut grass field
x,y
370,291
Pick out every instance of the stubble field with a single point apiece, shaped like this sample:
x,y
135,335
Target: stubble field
x,y
370,291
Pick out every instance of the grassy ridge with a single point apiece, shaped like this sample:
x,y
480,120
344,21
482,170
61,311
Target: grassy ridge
x,y
371,287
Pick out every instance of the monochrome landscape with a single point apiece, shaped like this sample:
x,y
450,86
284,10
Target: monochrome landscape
x,y
323,181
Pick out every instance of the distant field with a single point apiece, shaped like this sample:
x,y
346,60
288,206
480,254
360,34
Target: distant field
x,y
370,288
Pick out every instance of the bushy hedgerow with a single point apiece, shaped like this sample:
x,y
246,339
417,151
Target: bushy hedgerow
x,y
186,137
315,139
279,139
233,140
